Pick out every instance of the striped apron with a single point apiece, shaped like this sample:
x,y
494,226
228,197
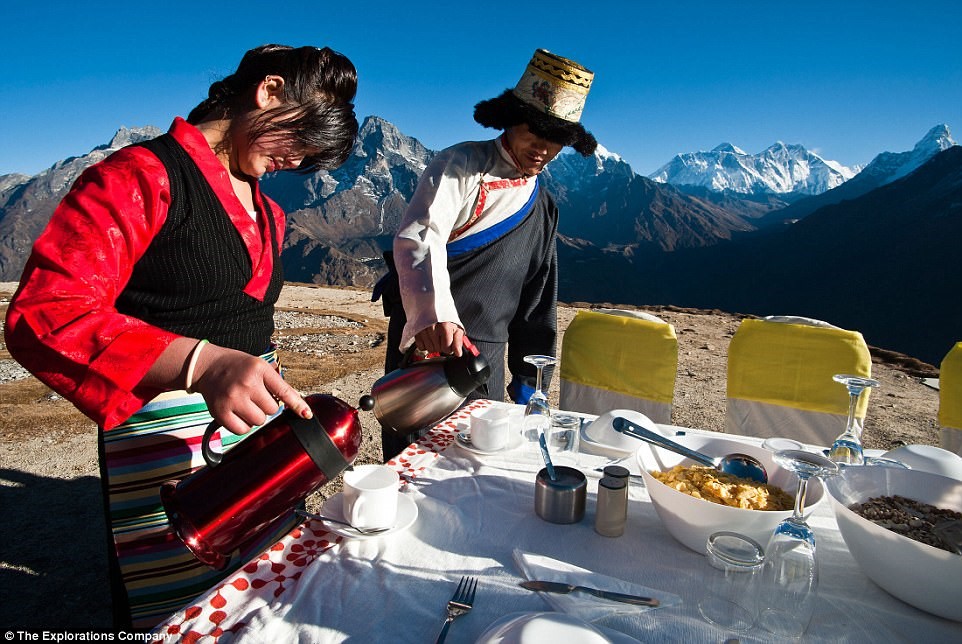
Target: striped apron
x,y
150,566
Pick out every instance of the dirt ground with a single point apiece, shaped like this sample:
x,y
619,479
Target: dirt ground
x,y
53,563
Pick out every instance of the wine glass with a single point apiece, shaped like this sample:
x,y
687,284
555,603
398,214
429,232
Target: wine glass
x,y
789,580
847,448
537,413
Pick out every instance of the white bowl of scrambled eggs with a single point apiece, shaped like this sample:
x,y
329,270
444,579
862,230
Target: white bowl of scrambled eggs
x,y
691,519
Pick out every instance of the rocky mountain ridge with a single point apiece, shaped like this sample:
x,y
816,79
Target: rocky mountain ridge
x,y
660,237
340,221
26,203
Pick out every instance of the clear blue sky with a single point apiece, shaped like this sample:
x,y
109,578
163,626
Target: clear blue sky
x,y
845,79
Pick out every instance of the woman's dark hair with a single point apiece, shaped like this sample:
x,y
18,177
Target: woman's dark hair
x,y
318,94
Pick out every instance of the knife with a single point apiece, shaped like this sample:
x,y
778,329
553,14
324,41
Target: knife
x,y
558,587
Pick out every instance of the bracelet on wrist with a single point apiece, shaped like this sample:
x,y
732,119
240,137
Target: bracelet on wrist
x,y
192,365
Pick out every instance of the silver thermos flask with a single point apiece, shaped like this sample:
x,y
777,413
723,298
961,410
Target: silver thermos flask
x,y
419,394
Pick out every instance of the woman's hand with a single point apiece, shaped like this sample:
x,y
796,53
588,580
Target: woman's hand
x,y
445,338
242,390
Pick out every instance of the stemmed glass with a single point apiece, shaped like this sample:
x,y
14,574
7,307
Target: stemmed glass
x,y
847,448
537,413
789,580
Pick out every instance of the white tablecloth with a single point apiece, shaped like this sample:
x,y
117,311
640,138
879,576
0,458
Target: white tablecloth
x,y
474,512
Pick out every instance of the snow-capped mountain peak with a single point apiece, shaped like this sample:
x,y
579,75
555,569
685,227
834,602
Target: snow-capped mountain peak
x,y
890,166
781,168
728,147
604,153
575,170
937,139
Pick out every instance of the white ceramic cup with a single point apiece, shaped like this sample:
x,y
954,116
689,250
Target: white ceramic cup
x,y
490,428
370,496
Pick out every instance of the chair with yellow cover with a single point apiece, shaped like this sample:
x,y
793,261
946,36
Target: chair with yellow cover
x,y
619,359
950,399
780,382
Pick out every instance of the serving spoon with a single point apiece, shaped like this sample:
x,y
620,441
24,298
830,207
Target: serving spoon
x,y
736,464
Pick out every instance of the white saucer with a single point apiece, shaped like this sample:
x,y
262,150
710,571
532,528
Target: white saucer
x,y
407,514
603,449
463,440
606,449
623,445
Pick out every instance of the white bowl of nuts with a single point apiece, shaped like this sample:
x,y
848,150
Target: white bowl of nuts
x,y
693,501
887,517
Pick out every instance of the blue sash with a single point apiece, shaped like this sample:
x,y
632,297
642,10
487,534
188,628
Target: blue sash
x,y
473,242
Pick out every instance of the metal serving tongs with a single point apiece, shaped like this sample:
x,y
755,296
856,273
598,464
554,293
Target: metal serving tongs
x,y
736,464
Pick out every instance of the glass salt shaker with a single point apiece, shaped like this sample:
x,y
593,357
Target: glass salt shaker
x,y
611,510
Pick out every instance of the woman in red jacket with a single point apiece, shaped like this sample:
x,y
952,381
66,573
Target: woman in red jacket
x,y
148,300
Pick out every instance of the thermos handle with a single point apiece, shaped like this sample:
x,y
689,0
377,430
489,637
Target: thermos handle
x,y
213,458
309,431
408,356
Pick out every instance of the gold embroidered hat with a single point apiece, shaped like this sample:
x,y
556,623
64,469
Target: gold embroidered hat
x,y
555,85
549,98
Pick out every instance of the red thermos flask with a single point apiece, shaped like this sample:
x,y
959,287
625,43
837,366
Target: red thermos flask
x,y
239,494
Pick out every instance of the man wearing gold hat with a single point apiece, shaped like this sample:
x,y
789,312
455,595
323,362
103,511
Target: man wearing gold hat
x,y
475,253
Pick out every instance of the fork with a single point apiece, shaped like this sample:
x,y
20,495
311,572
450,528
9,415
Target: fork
x,y
460,603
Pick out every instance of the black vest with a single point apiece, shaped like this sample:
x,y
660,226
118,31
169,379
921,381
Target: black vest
x,y
191,279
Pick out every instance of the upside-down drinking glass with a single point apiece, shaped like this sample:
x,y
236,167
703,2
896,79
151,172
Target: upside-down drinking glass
x,y
847,448
537,413
789,581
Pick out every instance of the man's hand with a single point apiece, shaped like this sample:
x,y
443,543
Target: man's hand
x,y
446,338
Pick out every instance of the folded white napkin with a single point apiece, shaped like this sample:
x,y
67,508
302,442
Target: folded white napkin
x,y
580,604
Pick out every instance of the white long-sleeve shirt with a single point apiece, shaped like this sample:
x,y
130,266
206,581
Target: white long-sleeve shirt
x,y
446,199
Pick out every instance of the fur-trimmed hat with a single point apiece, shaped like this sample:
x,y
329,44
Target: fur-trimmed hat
x,y
549,98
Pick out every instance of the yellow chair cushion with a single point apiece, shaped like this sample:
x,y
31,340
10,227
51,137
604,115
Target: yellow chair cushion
x,y
793,364
633,356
